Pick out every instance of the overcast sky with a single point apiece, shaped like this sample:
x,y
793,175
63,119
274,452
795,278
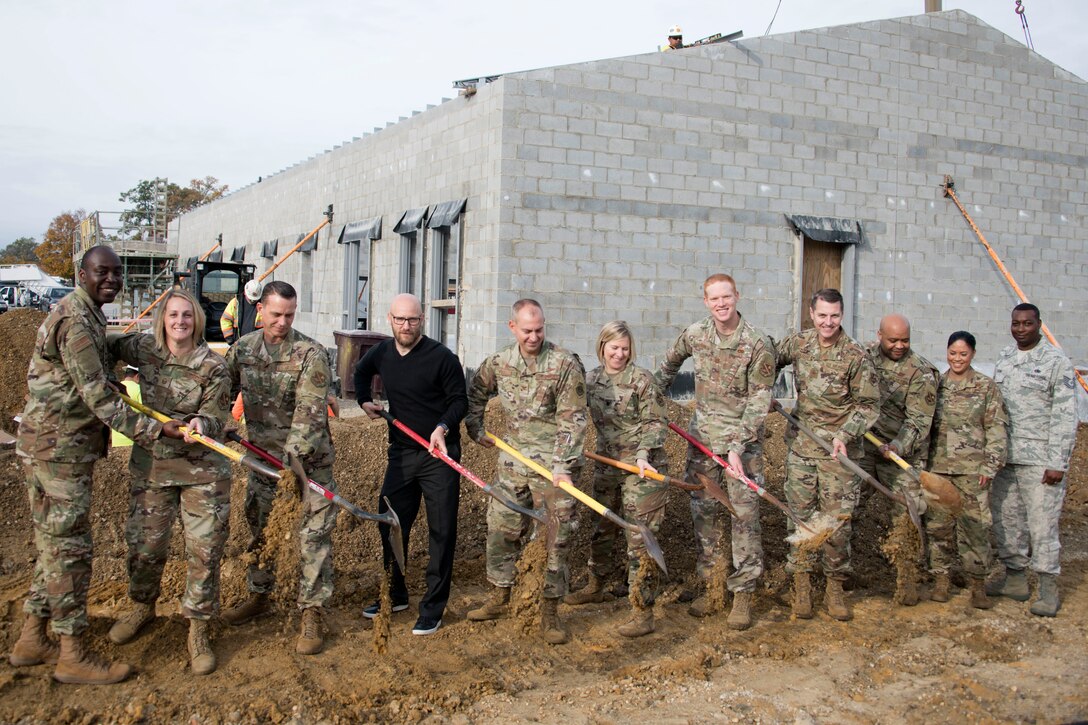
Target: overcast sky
x,y
95,96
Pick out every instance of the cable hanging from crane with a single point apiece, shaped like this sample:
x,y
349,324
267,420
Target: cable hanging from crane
x,y
1021,12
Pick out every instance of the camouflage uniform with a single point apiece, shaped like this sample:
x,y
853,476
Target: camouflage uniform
x,y
908,394
733,379
62,433
545,406
1038,387
838,396
969,441
173,474
628,411
284,387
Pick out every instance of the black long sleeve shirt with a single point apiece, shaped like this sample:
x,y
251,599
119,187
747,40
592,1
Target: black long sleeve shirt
x,y
424,388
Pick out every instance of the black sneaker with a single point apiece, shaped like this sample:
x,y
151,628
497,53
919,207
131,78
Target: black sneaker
x,y
426,625
372,611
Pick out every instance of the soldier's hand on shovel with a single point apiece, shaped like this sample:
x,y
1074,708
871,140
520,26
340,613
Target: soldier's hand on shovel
x,y
838,448
195,425
734,460
984,482
295,464
558,478
644,467
172,429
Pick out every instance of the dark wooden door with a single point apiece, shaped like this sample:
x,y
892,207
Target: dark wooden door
x,y
821,267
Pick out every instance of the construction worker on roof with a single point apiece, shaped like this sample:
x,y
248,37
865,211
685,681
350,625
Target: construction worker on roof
x,y
676,39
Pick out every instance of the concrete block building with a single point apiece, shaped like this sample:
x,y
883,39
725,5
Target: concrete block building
x,y
610,189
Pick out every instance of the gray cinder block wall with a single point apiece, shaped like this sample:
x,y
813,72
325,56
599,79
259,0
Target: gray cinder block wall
x,y
612,188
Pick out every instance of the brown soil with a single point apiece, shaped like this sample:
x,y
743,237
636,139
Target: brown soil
x,y
18,330
933,662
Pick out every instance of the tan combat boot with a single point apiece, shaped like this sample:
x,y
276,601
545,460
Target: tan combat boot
x,y
76,666
551,626
201,657
493,608
942,587
979,600
802,595
125,629
592,592
836,601
740,616
310,638
34,646
906,585
250,609
641,623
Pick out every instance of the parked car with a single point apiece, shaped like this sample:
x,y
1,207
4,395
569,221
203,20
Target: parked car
x,y
51,297
3,306
9,294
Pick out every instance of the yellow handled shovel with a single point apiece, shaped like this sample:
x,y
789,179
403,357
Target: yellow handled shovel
x,y
244,458
652,547
939,489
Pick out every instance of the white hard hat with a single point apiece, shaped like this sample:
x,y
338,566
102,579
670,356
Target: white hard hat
x,y
253,290
675,31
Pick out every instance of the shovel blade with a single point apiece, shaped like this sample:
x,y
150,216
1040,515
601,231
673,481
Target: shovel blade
x,y
653,548
942,492
396,535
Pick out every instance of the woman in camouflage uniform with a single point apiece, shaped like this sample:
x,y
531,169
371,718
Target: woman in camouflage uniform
x,y
968,447
181,377
628,411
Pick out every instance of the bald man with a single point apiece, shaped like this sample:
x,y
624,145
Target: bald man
x,y
908,396
425,386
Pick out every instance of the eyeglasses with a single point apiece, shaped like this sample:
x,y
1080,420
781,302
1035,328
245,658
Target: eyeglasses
x,y
410,321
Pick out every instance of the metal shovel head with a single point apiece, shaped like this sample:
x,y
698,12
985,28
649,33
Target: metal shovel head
x,y
941,492
716,492
396,536
653,548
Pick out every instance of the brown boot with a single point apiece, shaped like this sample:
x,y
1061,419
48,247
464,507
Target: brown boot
x,y
551,626
942,587
201,657
641,623
906,585
493,608
310,637
593,592
34,646
979,600
250,609
76,666
836,601
740,616
802,595
125,629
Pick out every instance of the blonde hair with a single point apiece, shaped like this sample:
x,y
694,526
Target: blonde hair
x,y
614,330
158,322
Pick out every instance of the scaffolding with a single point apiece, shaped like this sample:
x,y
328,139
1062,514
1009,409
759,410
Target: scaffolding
x,y
148,259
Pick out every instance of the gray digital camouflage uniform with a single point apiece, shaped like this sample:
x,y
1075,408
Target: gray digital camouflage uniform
x,y
284,389
63,431
173,475
908,394
628,411
733,379
969,441
838,396
545,406
1040,396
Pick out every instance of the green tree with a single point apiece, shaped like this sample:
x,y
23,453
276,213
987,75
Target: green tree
x,y
21,251
55,251
140,199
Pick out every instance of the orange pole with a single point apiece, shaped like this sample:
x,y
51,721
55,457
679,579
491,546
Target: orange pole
x,y
281,260
150,307
950,192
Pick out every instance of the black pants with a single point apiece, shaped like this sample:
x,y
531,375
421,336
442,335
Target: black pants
x,y
410,475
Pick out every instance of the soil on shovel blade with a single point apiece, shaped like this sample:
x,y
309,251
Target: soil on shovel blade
x,y
932,662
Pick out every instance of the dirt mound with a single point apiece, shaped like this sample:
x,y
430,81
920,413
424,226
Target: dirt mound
x,y
18,330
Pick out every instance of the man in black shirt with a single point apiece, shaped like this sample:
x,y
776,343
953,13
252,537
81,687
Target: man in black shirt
x,y
425,386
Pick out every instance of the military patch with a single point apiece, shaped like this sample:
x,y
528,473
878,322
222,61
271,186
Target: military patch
x,y
580,390
766,369
81,342
319,378
1068,382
